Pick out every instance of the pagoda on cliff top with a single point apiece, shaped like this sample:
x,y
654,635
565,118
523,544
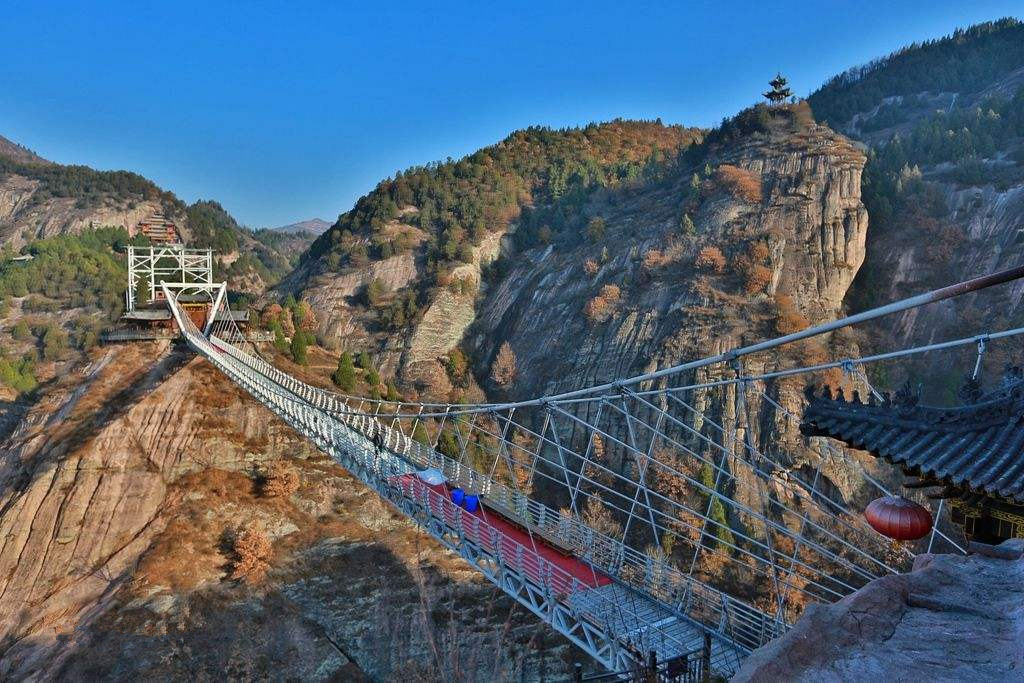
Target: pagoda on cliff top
x,y
973,453
780,91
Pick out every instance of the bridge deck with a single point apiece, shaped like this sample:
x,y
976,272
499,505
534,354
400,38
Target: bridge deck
x,y
617,624
511,538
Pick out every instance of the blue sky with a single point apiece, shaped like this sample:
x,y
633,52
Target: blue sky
x,y
285,111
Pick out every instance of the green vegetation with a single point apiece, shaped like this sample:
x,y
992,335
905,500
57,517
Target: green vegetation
x,y
541,175
402,310
18,374
965,62
298,348
345,375
265,255
71,271
212,227
961,136
720,529
89,187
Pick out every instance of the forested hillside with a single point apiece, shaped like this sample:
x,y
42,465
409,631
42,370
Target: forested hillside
x,y
57,302
967,61
249,261
436,232
455,203
944,183
63,230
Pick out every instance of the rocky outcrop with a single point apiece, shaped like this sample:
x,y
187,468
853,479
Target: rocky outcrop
x,y
450,314
22,218
811,217
120,490
953,618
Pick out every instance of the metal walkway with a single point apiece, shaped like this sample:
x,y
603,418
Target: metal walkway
x,y
612,588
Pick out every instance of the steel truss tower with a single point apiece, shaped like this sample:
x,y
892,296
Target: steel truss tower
x,y
179,268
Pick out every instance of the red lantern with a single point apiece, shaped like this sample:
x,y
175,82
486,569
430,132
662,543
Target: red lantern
x,y
898,518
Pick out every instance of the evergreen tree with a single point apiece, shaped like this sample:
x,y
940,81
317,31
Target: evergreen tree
x,y
299,348
687,226
364,361
142,292
280,342
345,375
720,529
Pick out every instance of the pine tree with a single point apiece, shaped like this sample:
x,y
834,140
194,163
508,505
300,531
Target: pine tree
x,y
299,348
142,292
687,226
345,375
280,343
364,361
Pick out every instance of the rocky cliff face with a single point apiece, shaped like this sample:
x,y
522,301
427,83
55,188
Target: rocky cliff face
x,y
24,217
810,227
120,490
953,618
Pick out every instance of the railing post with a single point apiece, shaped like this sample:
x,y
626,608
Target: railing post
x,y
705,665
652,667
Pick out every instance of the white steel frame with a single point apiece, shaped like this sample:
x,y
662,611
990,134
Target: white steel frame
x,y
176,266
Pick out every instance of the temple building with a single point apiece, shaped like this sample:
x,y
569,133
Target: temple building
x,y
973,453
159,229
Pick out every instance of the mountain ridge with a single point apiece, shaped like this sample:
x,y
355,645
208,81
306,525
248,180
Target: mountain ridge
x,y
315,226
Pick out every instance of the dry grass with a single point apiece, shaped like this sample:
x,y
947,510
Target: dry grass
x,y
740,182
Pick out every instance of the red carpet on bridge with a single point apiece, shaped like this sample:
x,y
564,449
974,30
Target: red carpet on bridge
x,y
490,529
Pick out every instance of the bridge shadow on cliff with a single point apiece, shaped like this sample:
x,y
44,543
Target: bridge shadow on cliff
x,y
113,408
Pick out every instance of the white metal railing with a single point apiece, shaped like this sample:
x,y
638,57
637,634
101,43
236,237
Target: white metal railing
x,y
743,624
388,474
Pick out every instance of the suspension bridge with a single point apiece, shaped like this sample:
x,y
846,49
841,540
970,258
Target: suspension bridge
x,y
638,518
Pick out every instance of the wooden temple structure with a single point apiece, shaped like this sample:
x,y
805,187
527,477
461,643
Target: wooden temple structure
x,y
973,454
159,229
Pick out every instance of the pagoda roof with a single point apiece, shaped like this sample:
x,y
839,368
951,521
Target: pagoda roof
x,y
978,446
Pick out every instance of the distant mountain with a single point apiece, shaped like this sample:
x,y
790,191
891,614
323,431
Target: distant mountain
x,y
316,226
24,155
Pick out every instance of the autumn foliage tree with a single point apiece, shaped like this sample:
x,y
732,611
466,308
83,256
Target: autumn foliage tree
x,y
711,259
503,369
281,480
600,307
252,554
789,318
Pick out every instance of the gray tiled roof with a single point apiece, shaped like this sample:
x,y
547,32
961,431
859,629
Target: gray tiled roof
x,y
979,446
